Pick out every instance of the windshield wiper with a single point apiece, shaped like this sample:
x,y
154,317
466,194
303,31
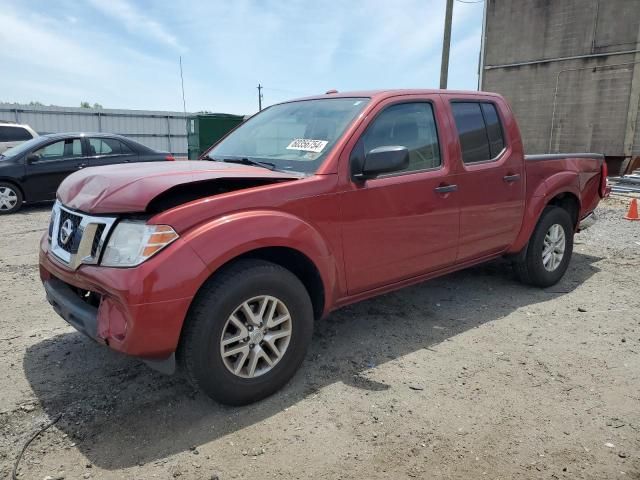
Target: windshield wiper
x,y
248,161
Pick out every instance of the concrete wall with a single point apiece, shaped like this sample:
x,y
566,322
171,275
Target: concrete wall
x,y
165,131
563,103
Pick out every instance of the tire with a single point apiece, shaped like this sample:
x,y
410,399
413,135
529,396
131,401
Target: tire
x,y
209,324
10,198
530,266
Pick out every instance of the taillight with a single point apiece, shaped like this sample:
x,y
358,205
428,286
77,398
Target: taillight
x,y
604,172
170,158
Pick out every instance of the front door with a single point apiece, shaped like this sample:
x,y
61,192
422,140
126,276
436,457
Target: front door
x,y
54,162
402,224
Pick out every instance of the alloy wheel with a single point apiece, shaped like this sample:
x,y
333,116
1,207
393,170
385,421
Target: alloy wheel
x,y
256,336
553,247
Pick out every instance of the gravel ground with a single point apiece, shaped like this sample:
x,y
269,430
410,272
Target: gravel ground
x,y
469,376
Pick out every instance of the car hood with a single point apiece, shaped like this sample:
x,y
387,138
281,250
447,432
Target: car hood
x,y
129,188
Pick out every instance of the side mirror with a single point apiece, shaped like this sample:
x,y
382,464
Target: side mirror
x,y
32,158
381,160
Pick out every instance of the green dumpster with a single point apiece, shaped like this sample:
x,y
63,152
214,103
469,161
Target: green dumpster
x,y
205,129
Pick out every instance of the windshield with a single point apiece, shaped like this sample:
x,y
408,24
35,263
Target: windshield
x,y
19,149
295,136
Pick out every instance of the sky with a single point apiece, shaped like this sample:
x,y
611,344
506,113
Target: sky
x,y
125,53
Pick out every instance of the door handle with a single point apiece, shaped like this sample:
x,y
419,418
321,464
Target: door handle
x,y
446,188
511,178
81,166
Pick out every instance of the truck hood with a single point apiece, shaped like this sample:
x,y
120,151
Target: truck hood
x,y
130,187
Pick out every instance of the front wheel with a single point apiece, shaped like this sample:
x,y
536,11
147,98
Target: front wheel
x,y
247,332
547,255
10,198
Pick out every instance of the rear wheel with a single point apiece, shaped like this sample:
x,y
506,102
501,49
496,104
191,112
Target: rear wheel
x,y
10,198
247,332
546,257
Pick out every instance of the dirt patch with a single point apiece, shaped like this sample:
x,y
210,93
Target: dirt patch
x,y
469,376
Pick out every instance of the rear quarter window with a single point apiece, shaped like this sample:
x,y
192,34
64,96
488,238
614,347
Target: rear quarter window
x,y
14,134
126,149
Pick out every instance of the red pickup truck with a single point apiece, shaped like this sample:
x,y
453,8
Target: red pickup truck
x,y
222,266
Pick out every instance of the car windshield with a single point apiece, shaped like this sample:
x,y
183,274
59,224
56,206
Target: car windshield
x,y
19,149
295,136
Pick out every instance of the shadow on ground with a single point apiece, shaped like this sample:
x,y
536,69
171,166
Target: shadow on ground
x,y
120,413
28,208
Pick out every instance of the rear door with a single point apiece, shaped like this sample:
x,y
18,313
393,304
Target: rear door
x,y
492,180
107,151
404,224
55,161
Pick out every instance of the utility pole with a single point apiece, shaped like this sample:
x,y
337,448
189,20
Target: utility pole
x,y
446,43
482,44
260,87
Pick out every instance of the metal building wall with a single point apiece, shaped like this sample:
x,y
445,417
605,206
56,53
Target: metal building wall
x,y
164,131
570,70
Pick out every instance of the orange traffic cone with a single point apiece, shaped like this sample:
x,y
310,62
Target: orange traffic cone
x,y
632,214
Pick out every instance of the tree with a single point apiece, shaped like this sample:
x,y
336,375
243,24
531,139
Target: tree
x,y
88,105
36,103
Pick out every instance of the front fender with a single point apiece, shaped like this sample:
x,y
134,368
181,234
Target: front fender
x,y
220,240
559,183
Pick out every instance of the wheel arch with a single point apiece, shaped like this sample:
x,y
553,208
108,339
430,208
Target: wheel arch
x,y
567,199
293,260
275,236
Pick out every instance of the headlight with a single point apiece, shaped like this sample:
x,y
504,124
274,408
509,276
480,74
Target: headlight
x,y
132,242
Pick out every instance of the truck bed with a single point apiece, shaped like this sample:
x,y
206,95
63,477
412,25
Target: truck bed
x,y
582,171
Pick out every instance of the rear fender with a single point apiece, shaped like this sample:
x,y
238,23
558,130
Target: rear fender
x,y
221,240
547,190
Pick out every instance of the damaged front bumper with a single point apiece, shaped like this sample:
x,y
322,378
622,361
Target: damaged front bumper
x,y
136,311
84,318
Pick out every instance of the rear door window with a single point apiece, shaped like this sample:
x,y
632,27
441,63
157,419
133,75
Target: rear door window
x,y
471,131
105,146
14,134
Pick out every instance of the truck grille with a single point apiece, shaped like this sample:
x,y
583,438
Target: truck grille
x,y
77,238
69,244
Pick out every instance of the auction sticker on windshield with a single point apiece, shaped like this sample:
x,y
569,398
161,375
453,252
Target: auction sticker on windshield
x,y
307,145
